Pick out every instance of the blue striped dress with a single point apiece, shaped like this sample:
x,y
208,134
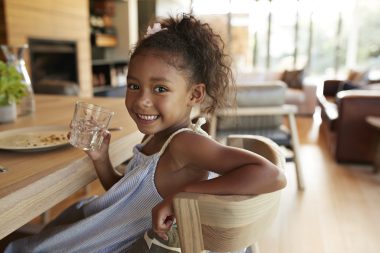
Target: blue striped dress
x,y
110,223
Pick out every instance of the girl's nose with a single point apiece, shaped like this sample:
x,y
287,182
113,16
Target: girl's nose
x,y
145,100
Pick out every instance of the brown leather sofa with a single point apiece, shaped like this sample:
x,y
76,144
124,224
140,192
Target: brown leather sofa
x,y
350,137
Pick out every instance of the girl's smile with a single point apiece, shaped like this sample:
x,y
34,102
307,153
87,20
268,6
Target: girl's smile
x,y
147,117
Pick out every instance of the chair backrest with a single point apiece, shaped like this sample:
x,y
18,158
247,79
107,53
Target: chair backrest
x,y
228,223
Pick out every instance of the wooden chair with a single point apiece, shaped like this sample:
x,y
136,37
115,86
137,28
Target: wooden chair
x,y
228,223
261,110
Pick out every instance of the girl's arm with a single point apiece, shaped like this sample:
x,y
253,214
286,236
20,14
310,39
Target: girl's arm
x,y
107,175
242,173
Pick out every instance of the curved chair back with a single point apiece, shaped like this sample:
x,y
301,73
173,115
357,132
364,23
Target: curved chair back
x,y
228,223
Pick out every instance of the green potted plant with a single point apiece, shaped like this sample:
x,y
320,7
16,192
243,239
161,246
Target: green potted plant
x,y
12,90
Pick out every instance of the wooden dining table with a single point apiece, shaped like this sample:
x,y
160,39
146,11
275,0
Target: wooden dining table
x,y
34,181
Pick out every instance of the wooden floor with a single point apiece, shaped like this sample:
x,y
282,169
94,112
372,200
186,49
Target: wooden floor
x,y
339,211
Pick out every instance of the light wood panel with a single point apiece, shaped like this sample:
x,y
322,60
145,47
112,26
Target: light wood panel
x,y
3,34
56,20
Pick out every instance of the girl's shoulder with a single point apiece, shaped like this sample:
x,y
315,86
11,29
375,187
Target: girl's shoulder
x,y
187,136
192,142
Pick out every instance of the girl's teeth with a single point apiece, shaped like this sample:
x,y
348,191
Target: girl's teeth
x,y
148,117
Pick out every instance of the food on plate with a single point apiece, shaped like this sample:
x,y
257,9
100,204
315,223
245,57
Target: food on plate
x,y
37,139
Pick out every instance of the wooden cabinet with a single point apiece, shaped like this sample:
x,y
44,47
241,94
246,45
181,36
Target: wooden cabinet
x,y
109,23
103,31
109,77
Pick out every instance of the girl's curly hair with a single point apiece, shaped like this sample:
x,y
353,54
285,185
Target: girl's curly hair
x,y
193,47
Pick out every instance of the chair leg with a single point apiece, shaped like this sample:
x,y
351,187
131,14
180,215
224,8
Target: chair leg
x,y
295,146
212,129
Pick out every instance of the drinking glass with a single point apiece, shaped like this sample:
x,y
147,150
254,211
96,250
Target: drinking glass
x,y
89,121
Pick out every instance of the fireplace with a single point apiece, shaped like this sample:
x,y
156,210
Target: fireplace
x,y
54,67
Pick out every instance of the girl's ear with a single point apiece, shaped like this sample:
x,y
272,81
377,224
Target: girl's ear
x,y
197,93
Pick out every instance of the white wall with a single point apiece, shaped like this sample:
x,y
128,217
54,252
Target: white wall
x,y
126,24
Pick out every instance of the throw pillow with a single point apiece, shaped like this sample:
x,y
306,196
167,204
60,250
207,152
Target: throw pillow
x,y
358,77
353,74
293,78
347,85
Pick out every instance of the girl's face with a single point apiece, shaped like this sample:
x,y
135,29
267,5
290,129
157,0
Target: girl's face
x,y
158,97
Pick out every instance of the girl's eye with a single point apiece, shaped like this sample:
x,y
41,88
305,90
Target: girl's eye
x,y
160,89
133,86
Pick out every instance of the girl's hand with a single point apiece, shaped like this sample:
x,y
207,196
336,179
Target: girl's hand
x,y
163,218
102,152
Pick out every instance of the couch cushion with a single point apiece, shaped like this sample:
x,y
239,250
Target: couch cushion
x,y
372,86
293,78
264,94
347,85
234,123
295,96
244,78
271,93
358,77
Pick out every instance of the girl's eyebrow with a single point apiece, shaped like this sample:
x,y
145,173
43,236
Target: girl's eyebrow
x,y
131,77
160,79
152,79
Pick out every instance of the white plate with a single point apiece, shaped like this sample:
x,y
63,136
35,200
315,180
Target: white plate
x,y
34,138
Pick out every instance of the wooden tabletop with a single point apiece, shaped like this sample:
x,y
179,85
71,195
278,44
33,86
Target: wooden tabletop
x,y
36,181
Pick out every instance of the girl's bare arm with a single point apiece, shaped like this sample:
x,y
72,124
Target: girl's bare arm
x,y
107,175
242,171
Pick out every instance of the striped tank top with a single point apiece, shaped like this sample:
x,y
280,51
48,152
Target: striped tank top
x,y
111,222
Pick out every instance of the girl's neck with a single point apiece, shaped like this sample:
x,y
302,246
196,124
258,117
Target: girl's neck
x,y
165,134
157,141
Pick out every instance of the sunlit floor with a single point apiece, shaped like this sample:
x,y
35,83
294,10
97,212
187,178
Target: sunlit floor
x,y
339,210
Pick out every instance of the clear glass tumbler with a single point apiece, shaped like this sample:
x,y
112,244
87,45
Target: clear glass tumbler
x,y
89,121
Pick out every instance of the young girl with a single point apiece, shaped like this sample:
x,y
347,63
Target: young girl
x,y
179,64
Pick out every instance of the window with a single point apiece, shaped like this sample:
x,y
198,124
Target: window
x,y
325,37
